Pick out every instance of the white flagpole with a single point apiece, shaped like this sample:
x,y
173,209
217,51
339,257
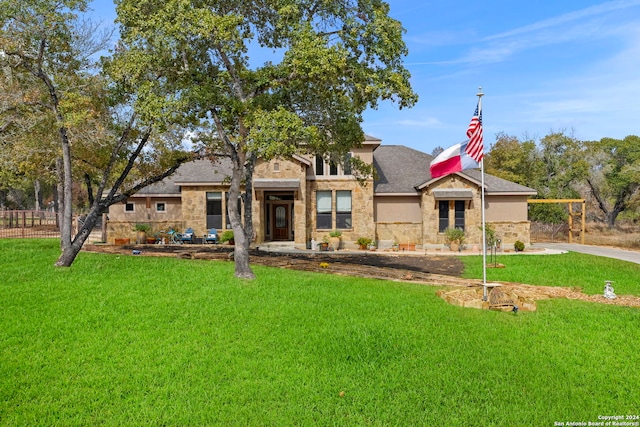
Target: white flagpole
x,y
484,234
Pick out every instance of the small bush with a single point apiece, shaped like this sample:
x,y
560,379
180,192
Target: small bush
x,y
455,235
227,236
518,246
363,242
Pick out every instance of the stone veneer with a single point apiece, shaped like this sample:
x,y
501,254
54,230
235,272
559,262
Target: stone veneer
x,y
399,232
361,209
507,231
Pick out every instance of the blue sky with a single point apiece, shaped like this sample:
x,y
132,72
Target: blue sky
x,y
552,65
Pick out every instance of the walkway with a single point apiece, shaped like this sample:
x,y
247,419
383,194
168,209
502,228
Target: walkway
x,y
621,254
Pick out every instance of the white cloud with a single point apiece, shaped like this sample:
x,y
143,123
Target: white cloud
x,y
568,17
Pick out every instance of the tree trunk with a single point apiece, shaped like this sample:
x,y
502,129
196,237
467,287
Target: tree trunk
x,y
38,195
70,253
242,238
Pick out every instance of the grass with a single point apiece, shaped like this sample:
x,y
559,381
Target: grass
x,y
571,270
125,340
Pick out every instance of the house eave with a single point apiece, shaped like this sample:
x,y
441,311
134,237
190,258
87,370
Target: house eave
x,y
461,175
510,193
416,194
156,195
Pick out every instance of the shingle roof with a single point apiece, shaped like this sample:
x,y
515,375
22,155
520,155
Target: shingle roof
x,y
402,169
399,170
198,171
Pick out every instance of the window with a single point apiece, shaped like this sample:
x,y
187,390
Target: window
x,y
459,214
333,168
347,164
343,209
323,210
443,215
214,210
161,207
129,207
319,165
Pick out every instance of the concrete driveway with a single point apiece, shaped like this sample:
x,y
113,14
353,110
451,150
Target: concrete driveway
x,y
622,254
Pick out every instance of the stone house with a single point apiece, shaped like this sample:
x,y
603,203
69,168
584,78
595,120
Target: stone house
x,y
300,199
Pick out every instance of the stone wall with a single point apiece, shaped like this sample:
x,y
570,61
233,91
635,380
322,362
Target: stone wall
x,y
472,214
281,169
509,232
361,209
400,232
124,229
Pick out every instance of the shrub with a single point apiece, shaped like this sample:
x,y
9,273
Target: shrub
x,y
454,235
145,228
518,246
335,233
363,242
227,236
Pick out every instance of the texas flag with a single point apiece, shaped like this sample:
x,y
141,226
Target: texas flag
x,y
466,155
453,159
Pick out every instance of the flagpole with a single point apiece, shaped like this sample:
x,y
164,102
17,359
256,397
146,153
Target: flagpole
x,y
484,234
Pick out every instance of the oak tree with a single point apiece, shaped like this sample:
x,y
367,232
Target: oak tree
x,y
80,120
263,79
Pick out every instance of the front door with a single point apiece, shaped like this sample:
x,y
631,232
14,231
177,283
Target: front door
x,y
280,222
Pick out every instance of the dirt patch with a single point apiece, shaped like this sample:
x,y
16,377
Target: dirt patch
x,y
424,269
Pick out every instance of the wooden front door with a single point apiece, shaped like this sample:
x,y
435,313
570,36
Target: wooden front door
x,y
281,222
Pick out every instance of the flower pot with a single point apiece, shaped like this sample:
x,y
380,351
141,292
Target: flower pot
x,y
121,241
334,243
141,237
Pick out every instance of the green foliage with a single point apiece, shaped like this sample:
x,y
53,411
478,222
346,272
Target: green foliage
x,y
615,175
226,236
96,343
490,234
144,228
262,80
454,235
335,233
518,246
363,242
514,160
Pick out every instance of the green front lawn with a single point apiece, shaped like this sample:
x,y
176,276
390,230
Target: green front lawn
x,y
127,340
572,269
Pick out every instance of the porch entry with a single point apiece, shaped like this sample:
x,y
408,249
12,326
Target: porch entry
x,y
279,216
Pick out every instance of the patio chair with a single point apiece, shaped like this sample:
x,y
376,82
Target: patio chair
x,y
187,236
211,236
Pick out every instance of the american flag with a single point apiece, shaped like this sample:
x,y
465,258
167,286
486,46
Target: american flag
x,y
475,149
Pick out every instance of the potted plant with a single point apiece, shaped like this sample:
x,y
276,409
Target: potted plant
x,y
141,232
363,242
324,245
395,246
334,239
455,237
227,236
518,246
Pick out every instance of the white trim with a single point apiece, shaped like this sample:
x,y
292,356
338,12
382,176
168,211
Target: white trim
x,y
166,205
